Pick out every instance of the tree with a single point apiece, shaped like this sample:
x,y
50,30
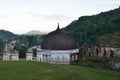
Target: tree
x,y
30,40
34,52
22,49
1,45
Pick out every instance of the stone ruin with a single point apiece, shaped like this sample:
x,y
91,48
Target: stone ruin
x,y
108,52
112,55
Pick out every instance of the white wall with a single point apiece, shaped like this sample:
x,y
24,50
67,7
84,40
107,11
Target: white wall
x,y
15,57
6,56
58,56
29,56
40,56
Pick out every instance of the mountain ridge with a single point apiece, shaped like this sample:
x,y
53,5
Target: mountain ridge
x,y
4,34
35,32
88,29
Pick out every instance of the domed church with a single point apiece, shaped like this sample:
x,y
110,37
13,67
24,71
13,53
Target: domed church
x,y
59,47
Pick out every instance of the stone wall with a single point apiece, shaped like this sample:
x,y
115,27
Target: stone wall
x,y
101,52
104,57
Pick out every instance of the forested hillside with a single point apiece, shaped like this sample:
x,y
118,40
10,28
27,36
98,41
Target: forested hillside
x,y
7,35
89,29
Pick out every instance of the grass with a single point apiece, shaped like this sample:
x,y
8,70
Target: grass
x,y
23,70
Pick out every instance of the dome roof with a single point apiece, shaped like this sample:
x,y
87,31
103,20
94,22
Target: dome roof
x,y
58,40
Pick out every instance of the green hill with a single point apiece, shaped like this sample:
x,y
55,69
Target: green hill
x,y
89,29
6,35
35,32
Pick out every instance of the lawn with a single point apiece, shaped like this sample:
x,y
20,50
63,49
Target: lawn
x,y
23,70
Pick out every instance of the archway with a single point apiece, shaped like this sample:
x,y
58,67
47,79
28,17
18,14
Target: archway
x,y
111,54
89,53
104,53
97,52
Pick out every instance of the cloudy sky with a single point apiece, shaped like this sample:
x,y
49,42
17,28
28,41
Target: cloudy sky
x,y
21,16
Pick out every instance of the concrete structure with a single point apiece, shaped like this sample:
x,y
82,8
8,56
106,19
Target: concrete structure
x,y
29,55
10,56
10,53
14,56
6,57
59,48
40,56
60,56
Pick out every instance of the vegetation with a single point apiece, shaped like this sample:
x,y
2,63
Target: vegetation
x,y
34,52
110,40
22,49
6,35
1,45
42,71
88,29
29,40
99,62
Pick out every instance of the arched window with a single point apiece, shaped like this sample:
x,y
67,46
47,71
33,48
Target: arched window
x,y
58,58
63,58
89,53
111,53
97,51
104,54
84,53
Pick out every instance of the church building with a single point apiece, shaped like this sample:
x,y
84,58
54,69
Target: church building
x,y
59,47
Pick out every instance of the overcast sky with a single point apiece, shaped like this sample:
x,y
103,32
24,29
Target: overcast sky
x,y
21,16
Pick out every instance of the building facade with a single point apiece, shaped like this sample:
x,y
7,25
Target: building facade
x,y
59,47
10,53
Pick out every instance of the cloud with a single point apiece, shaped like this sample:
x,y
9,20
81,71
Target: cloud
x,y
5,15
53,17
25,1
109,2
106,2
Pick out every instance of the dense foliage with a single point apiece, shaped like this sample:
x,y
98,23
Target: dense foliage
x,y
7,36
22,49
1,45
88,29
